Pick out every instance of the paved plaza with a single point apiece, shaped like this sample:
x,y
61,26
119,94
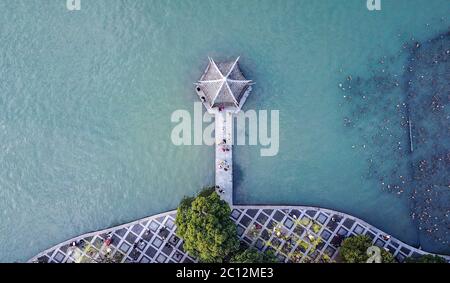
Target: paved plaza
x,y
294,233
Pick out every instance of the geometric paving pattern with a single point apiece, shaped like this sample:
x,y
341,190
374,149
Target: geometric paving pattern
x,y
307,234
294,233
145,241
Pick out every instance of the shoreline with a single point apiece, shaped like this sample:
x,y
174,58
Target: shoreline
x,y
239,209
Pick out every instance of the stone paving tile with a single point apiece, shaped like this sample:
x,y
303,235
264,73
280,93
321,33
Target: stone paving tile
x,y
262,218
380,243
245,220
153,226
358,229
295,234
404,250
235,214
278,216
348,223
240,230
121,232
252,212
311,213
325,235
137,229
400,257
151,252
131,238
147,236
371,235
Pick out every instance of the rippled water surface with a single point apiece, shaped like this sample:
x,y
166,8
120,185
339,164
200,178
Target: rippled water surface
x,y
86,99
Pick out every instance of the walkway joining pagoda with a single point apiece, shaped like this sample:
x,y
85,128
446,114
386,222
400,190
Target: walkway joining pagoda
x,y
223,90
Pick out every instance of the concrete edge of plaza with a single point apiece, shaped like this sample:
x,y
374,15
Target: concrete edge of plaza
x,y
239,212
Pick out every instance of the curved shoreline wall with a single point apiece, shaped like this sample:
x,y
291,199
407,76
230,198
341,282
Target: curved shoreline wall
x,y
153,239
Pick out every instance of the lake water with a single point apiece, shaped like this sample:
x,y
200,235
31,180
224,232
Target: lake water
x,y
86,99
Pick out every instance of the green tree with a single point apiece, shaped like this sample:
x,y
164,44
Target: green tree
x,y
426,259
354,250
205,226
254,256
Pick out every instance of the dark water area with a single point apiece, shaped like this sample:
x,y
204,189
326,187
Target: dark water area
x,y
428,97
402,112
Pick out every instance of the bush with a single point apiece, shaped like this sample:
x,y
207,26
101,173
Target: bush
x,y
354,250
254,256
205,226
426,259
316,228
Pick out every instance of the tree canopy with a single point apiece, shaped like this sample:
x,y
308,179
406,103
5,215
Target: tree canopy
x,y
426,259
204,224
254,256
354,250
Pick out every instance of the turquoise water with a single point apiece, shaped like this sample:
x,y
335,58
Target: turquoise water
x,y
86,99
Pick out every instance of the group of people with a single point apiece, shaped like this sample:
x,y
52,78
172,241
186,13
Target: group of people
x,y
220,190
224,165
225,148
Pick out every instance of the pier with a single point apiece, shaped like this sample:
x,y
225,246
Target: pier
x,y
223,91
224,155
